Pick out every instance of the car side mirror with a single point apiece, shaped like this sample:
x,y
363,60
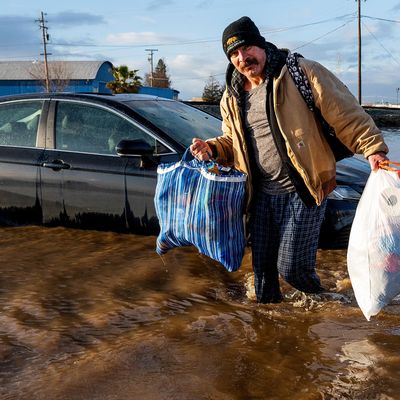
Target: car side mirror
x,y
133,147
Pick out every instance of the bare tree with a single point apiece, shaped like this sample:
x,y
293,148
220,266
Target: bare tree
x,y
59,75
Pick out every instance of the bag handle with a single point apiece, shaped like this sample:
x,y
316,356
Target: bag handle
x,y
187,155
386,165
210,165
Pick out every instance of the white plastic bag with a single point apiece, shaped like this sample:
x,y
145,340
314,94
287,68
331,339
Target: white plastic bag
x,y
373,257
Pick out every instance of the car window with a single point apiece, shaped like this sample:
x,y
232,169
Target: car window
x,y
19,122
178,120
87,128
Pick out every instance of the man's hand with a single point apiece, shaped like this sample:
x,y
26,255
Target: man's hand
x,y
375,159
201,150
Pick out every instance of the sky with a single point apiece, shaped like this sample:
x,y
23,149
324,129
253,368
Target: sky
x,y
186,34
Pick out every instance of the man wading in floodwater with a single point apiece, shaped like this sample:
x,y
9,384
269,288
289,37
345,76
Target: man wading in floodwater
x,y
270,134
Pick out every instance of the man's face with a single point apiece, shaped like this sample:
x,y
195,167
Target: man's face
x,y
249,61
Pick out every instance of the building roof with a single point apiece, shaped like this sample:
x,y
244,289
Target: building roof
x,y
28,70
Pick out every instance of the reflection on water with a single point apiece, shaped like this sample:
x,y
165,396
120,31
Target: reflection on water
x,y
95,315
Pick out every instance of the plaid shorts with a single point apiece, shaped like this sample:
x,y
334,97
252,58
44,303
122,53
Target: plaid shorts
x,y
284,239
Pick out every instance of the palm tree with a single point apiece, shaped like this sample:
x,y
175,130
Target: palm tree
x,y
126,80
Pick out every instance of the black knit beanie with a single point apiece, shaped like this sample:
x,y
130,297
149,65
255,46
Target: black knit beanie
x,y
242,32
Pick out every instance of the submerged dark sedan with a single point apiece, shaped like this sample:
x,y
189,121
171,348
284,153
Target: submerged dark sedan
x,y
90,161
351,176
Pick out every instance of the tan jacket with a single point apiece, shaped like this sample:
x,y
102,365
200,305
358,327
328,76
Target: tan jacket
x,y
306,147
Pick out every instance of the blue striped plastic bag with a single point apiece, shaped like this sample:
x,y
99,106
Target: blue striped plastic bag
x,y
201,204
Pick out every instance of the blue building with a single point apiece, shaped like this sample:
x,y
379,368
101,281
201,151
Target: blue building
x,y
69,76
160,92
17,77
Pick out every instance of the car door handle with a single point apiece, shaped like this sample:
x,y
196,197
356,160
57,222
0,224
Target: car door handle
x,y
56,165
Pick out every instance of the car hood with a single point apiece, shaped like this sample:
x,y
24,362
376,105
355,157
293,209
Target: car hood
x,y
353,172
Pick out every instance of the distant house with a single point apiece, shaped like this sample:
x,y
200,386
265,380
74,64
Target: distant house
x,y
68,76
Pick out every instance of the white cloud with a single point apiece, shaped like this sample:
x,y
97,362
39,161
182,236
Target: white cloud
x,y
142,38
189,74
184,62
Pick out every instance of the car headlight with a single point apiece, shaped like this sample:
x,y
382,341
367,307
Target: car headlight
x,y
344,193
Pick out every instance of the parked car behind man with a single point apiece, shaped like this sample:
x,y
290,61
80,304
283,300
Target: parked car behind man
x,y
89,161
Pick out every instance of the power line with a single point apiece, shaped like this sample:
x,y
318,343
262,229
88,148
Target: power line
x,y
350,18
128,46
353,15
380,43
310,42
322,36
381,19
200,41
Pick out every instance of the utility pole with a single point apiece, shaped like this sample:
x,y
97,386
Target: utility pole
x,y
397,90
43,27
151,64
359,52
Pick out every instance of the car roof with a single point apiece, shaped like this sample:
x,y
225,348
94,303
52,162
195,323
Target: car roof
x,y
120,98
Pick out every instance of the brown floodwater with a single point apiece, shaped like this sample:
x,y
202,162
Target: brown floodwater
x,y
98,315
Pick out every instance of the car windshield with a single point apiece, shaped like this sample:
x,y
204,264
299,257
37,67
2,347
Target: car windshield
x,y
178,120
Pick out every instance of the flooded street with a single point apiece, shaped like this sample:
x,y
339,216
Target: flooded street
x,y
95,315
100,316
